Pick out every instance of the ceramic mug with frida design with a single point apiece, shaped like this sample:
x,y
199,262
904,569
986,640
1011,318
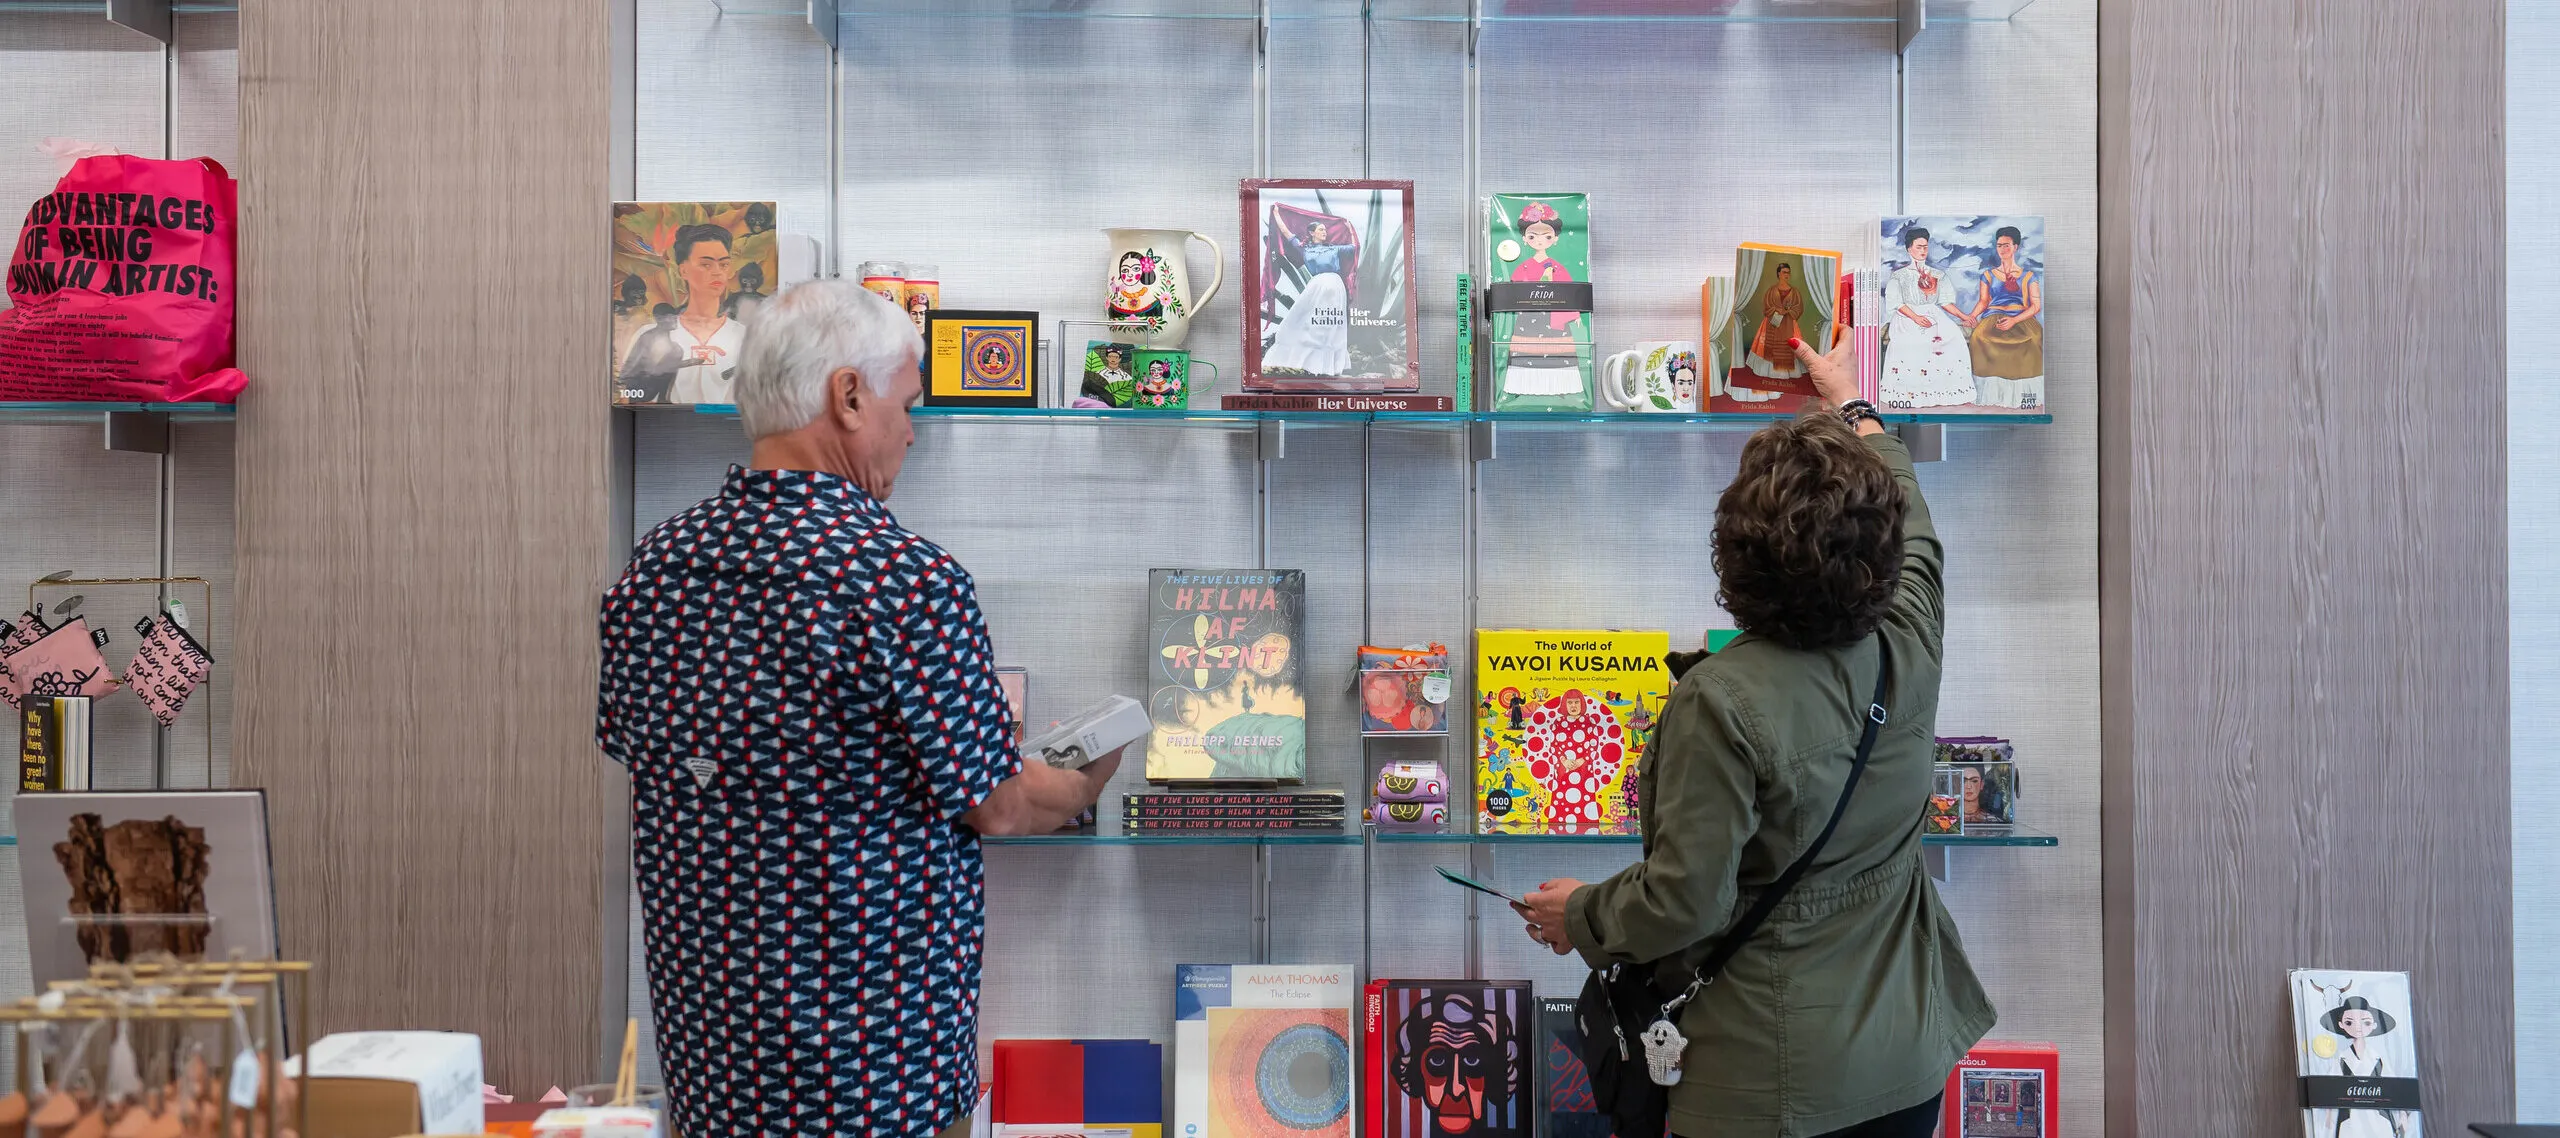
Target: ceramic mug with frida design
x,y
1150,296
1659,376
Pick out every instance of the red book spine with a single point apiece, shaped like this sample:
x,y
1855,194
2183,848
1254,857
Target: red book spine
x,y
1306,825
1334,812
1373,1060
1345,402
1143,801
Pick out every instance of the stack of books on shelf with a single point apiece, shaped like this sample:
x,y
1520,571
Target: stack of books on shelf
x,y
1307,810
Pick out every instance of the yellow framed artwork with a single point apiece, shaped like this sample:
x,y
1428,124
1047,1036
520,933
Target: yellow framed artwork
x,y
981,359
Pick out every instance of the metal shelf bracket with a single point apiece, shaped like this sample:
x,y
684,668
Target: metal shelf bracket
x,y
142,432
150,17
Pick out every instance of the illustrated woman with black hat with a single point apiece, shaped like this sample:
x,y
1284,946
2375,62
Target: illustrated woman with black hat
x,y
2359,1021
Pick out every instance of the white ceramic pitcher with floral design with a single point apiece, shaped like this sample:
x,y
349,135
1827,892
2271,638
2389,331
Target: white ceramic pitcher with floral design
x,y
1151,298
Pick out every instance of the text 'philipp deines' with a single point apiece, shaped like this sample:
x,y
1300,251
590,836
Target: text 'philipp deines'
x,y
113,231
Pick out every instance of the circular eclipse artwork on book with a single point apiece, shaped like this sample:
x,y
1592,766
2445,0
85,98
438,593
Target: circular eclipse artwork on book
x,y
1279,1073
995,358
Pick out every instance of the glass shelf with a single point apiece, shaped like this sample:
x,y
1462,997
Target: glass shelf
x,y
1736,420
1410,11
1533,420
1187,838
2009,836
1740,11
1993,836
1457,838
848,11
99,8
88,413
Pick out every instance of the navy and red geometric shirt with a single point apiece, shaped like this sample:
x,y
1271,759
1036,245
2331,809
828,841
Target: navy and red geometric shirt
x,y
806,699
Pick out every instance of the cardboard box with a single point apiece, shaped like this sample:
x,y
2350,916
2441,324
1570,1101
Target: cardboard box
x,y
388,1084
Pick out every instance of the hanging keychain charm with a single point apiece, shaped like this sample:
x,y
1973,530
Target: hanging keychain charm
x,y
1662,1047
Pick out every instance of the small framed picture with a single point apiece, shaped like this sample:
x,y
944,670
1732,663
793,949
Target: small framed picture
x,y
1329,303
981,359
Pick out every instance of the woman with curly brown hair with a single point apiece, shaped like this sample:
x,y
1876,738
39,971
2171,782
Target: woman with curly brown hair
x,y
1843,1012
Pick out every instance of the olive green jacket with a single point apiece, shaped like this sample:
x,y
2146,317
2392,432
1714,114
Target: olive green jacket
x,y
1855,999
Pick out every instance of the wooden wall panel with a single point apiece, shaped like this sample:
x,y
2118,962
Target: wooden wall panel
x,y
422,507
2303,543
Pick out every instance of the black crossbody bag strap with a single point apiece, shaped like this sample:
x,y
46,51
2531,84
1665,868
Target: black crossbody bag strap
x,y
1777,891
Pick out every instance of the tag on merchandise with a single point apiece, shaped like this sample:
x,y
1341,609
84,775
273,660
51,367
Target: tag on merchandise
x,y
178,612
244,1080
1435,687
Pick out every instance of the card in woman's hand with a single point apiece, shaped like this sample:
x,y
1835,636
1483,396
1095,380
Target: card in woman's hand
x,y
1480,887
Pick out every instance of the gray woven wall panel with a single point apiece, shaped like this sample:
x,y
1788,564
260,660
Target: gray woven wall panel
x,y
2533,532
1021,139
2017,508
1690,139
67,75
208,101
200,742
732,108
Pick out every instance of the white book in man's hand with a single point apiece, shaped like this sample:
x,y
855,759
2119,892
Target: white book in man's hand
x,y
1096,731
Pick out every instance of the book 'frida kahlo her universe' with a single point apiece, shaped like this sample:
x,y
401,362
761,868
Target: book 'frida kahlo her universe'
x,y
1262,1051
2357,1053
1329,301
1223,677
1562,718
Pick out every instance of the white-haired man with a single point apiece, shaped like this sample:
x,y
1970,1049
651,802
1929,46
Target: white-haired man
x,y
806,699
